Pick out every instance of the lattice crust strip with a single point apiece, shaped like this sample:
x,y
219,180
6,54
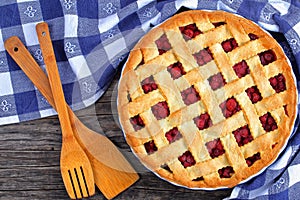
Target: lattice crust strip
x,y
207,99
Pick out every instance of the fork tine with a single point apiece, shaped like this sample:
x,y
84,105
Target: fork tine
x,y
76,184
79,184
85,183
72,183
78,181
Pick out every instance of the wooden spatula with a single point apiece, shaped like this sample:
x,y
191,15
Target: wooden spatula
x,y
112,172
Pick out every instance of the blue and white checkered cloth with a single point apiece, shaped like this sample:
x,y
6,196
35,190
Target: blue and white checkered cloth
x,y
92,37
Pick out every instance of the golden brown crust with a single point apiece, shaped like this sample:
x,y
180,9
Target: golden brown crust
x,y
144,61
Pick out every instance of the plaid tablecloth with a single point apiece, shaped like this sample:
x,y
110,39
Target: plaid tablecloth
x,y
92,37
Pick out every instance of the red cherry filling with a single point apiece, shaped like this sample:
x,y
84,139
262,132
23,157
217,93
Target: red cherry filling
x,y
176,70
230,107
242,135
203,56
229,45
226,172
187,159
203,121
267,57
217,24
190,96
190,31
148,84
163,44
251,160
278,83
274,145
215,148
285,110
173,135
268,122
216,81
241,69
254,94
150,147
137,122
252,36
160,110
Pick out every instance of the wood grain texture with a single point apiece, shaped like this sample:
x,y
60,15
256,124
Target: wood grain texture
x,y
30,152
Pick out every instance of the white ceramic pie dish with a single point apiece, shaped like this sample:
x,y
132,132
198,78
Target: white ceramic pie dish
x,y
249,178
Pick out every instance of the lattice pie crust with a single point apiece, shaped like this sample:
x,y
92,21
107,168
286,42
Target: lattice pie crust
x,y
207,99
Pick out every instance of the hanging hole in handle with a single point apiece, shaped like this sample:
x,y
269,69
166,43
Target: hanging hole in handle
x,y
16,49
43,33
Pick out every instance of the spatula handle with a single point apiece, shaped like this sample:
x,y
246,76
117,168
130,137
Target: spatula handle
x,y
23,58
43,34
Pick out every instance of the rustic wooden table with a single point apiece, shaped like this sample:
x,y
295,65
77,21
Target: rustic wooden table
x,y
30,152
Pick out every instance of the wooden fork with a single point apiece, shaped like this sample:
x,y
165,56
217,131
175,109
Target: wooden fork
x,y
75,166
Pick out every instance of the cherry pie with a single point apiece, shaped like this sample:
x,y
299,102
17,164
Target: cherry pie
x,y
207,99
